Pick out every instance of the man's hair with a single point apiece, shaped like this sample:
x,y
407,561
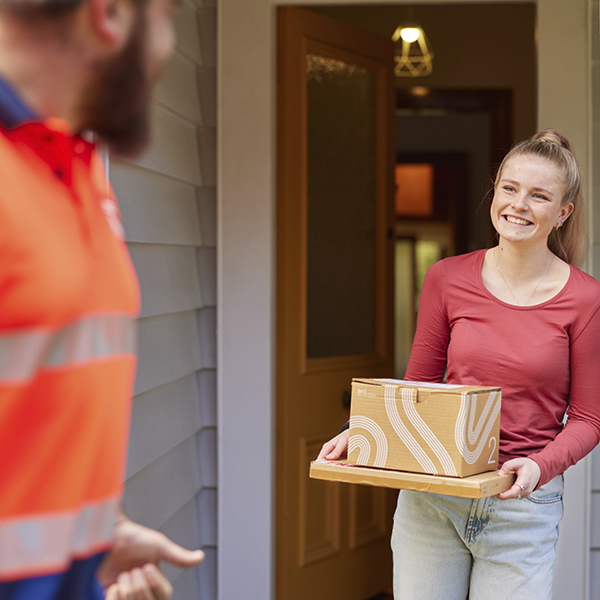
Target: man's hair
x,y
41,8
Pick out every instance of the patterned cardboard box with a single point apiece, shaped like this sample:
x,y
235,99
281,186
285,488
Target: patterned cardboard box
x,y
439,429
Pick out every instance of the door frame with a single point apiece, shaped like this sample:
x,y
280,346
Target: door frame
x,y
246,151
302,32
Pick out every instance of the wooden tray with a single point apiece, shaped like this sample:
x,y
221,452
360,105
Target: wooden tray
x,y
475,486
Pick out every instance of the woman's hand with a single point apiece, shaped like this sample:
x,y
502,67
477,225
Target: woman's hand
x,y
336,447
528,474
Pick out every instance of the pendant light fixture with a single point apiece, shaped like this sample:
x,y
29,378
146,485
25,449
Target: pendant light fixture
x,y
414,56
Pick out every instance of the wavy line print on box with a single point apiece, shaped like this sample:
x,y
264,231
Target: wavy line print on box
x,y
401,430
359,441
432,441
472,433
364,448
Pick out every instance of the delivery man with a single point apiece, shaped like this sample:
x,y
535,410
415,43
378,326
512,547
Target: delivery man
x,y
69,298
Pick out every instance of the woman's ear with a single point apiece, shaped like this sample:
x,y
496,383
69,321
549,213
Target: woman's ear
x,y
566,211
112,19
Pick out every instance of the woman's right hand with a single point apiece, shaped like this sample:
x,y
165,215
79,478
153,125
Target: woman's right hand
x,y
336,447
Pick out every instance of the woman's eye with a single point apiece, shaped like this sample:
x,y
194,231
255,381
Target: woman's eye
x,y
508,188
540,197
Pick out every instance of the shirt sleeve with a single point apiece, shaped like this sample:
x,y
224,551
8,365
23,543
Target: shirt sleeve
x,y
429,352
582,431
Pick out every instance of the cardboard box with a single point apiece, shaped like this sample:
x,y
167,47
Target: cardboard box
x,y
438,429
475,486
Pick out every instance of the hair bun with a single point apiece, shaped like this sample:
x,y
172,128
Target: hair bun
x,y
552,136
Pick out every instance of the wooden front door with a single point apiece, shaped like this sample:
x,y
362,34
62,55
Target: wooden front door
x,y
336,139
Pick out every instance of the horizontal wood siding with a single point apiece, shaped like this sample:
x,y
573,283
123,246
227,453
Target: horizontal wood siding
x,y
594,538
167,199
595,527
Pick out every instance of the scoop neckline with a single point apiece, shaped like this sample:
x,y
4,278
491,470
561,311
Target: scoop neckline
x,y
517,306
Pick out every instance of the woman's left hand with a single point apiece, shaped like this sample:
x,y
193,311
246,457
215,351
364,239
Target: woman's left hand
x,y
528,474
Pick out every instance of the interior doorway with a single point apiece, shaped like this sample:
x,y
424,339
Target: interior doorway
x,y
455,139
431,223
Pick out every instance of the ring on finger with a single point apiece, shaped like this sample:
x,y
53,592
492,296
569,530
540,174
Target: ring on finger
x,y
521,486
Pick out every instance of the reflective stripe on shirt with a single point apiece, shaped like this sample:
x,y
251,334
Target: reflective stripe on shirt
x,y
25,352
33,543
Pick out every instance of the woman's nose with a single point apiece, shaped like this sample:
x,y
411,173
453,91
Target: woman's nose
x,y
520,201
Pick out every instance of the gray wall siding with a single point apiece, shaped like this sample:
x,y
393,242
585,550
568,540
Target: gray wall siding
x,y
595,528
167,199
594,539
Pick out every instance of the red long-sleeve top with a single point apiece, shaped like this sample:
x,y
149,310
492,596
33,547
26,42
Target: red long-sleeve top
x,y
545,357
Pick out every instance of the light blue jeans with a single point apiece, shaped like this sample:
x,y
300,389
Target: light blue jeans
x,y
447,547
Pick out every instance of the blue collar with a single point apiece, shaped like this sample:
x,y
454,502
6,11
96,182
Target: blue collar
x,y
13,111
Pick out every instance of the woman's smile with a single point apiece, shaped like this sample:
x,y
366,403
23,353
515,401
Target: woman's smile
x,y
516,220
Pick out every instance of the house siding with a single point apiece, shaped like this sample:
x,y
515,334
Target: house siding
x,y
594,508
594,569
167,199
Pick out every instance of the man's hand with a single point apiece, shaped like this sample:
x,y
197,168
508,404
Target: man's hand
x,y
130,570
147,583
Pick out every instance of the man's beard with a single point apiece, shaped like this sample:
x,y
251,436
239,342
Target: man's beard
x,y
116,106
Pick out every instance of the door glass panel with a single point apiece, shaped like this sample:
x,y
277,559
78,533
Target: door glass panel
x,y
341,208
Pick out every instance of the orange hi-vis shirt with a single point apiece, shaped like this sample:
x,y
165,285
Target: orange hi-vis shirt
x,y
68,300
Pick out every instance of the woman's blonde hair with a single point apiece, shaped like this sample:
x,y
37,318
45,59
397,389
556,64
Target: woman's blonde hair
x,y
569,242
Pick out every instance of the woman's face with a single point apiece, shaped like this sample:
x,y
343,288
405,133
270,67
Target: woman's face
x,y
527,200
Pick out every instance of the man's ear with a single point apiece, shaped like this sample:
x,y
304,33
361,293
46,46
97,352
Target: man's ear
x,y
112,19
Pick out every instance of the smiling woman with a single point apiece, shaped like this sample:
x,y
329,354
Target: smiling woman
x,y
510,316
521,316
537,192
529,187
552,174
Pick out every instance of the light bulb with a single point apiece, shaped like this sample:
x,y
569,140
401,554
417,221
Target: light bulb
x,y
410,34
